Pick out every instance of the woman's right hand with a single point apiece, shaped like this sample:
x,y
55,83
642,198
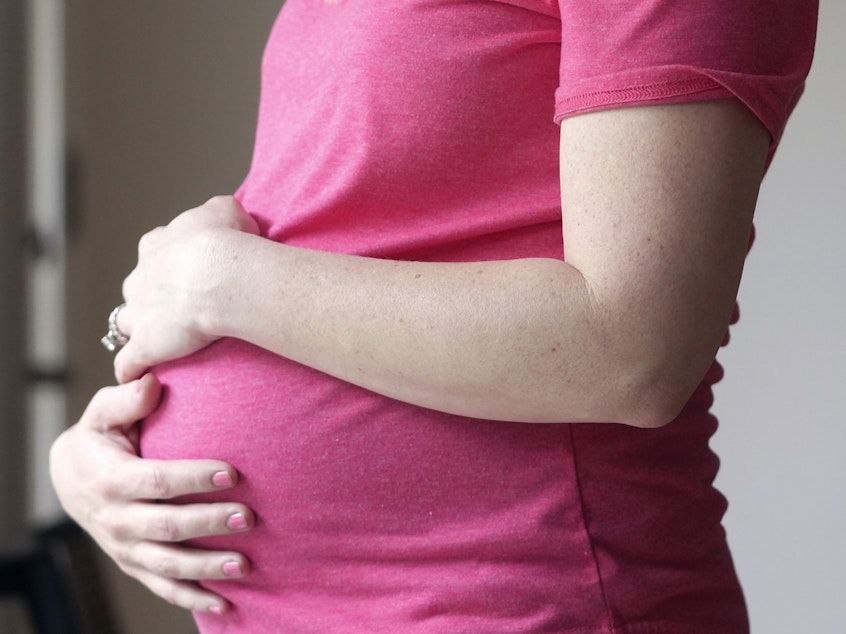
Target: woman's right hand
x,y
116,496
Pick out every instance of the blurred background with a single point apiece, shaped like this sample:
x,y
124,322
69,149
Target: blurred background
x,y
115,116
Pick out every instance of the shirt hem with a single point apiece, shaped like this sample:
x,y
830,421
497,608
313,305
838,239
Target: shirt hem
x,y
679,89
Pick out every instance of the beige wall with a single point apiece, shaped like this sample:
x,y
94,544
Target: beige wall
x,y
162,101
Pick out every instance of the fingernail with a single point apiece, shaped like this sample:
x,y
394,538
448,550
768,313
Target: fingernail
x,y
216,609
232,569
222,479
138,385
237,522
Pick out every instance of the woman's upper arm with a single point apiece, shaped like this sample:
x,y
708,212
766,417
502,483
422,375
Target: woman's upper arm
x,y
657,206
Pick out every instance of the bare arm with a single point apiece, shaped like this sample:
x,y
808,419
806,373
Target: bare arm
x,y
657,206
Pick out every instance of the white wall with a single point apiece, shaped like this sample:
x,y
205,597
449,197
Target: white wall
x,y
782,405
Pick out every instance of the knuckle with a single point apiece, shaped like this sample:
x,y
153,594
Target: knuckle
x,y
149,239
104,487
56,456
128,283
168,593
212,524
166,566
219,200
158,483
101,394
110,482
198,480
123,555
221,210
205,522
125,366
164,528
188,217
114,527
99,401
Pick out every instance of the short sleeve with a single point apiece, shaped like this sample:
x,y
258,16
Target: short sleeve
x,y
638,52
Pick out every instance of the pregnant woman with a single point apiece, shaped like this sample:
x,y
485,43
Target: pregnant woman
x,y
458,358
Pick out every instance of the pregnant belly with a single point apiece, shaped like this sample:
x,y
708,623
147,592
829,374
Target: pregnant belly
x,y
365,499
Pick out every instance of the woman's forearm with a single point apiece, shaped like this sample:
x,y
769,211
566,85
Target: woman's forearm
x,y
518,340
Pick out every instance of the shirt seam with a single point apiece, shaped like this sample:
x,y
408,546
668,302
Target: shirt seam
x,y
574,457
637,93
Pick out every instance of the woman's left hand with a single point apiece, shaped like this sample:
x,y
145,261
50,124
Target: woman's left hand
x,y
173,286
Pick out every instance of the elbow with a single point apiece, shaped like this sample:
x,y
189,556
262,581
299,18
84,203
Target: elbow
x,y
656,411
655,380
636,399
658,400
654,396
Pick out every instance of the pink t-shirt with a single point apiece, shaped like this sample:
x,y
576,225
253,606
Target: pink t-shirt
x,y
425,130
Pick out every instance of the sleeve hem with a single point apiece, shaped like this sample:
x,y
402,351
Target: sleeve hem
x,y
665,91
770,98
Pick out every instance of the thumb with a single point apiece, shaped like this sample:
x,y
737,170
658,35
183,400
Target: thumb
x,y
127,366
118,408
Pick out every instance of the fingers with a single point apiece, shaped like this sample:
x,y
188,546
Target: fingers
x,y
171,523
168,569
129,363
117,407
184,594
107,489
149,479
186,564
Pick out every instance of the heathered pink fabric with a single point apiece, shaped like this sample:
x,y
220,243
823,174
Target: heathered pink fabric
x,y
425,130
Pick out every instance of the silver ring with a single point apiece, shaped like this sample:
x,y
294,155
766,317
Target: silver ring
x,y
114,339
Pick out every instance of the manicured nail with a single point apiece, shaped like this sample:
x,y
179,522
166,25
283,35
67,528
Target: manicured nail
x,y
232,569
216,609
222,479
237,522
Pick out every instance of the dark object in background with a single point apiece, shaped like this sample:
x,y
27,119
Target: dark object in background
x,y
54,572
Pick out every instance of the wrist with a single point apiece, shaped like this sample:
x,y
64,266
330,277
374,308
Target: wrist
x,y
214,275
